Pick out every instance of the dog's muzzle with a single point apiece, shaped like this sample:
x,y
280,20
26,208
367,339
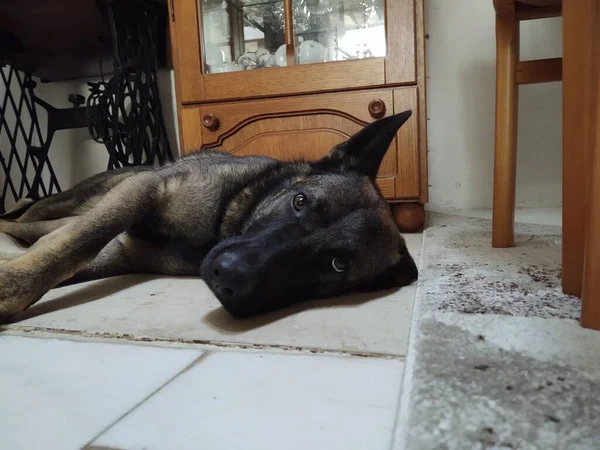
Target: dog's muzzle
x,y
230,276
233,280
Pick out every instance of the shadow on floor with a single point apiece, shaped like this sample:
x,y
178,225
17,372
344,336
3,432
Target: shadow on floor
x,y
217,318
98,290
221,320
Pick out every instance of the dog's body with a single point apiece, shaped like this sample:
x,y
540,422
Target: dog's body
x,y
262,233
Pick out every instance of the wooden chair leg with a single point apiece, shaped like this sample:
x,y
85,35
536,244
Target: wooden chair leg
x,y
590,308
505,142
577,137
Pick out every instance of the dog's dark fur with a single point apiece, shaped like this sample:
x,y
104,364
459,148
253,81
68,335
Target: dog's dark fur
x,y
262,233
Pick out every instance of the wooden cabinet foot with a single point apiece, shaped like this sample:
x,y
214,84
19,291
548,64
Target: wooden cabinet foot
x,y
409,217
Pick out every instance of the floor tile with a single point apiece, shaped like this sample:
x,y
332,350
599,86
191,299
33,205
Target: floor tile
x,y
61,394
266,401
184,308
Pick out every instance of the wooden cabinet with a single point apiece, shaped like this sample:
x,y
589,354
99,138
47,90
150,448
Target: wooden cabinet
x,y
292,78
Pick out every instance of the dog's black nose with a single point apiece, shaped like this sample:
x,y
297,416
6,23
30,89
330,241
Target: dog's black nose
x,y
231,276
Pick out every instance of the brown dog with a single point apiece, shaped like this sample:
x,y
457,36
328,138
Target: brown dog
x,y
262,233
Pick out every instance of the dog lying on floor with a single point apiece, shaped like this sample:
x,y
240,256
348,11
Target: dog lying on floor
x,y
262,233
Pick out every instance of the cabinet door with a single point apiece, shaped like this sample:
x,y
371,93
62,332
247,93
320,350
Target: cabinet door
x,y
234,49
306,127
410,170
296,127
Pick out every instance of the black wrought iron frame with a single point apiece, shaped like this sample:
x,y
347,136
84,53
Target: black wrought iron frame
x,y
30,162
123,112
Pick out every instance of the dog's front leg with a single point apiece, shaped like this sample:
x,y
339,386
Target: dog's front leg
x,y
60,254
31,232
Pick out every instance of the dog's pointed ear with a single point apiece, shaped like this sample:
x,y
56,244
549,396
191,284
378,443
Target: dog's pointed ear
x,y
364,151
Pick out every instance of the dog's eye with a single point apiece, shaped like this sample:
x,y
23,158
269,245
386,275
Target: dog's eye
x,y
299,202
338,265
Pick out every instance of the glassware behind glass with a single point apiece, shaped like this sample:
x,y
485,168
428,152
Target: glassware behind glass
x,y
241,34
337,30
250,34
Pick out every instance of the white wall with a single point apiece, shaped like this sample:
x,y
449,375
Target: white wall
x,y
461,76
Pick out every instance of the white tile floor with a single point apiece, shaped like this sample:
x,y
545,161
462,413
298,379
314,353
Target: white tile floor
x,y
289,380
263,401
57,394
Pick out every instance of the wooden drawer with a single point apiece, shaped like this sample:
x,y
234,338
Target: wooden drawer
x,y
307,127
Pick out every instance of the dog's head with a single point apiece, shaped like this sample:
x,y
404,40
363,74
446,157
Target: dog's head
x,y
320,229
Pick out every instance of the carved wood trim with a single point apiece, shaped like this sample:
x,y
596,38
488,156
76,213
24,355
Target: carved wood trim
x,y
244,123
254,137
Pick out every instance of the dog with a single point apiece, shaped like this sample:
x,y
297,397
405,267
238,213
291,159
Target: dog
x,y
262,233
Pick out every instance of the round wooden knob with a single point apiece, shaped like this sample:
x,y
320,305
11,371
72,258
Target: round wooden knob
x,y
377,108
409,217
211,122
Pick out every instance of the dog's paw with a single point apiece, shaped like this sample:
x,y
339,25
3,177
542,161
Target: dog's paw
x,y
16,293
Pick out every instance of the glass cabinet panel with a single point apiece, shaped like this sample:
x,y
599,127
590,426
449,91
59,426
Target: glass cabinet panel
x,y
241,34
250,34
337,30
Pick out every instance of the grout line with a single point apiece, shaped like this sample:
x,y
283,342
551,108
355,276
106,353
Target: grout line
x,y
138,404
77,335
402,408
